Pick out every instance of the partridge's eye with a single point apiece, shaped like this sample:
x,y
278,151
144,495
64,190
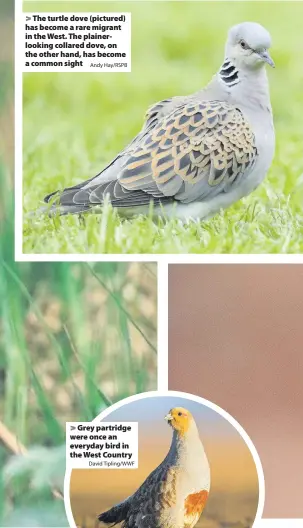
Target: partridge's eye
x,y
179,414
243,44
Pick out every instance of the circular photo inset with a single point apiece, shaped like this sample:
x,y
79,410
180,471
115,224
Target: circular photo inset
x,y
196,467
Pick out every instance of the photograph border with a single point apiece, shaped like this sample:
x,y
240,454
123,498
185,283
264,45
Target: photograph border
x,y
20,256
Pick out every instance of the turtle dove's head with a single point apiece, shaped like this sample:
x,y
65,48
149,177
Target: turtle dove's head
x,y
247,46
179,419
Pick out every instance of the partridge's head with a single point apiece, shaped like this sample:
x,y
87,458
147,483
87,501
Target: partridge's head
x,y
248,44
179,419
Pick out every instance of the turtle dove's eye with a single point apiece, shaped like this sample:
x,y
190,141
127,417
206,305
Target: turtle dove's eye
x,y
243,44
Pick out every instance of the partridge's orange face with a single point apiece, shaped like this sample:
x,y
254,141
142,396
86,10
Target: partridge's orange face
x,y
180,419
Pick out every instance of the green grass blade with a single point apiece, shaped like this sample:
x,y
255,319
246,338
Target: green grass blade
x,y
121,307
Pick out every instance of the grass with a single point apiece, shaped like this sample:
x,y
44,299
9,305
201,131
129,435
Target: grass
x,y
78,315
75,123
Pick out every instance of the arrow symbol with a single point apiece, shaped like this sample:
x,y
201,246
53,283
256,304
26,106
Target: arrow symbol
x,y
72,427
28,18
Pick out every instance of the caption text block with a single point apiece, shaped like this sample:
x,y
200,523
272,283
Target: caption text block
x,y
104,445
76,42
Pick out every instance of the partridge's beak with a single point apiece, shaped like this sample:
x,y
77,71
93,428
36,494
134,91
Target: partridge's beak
x,y
267,58
168,417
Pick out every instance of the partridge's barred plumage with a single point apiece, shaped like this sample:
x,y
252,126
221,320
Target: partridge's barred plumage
x,y
175,493
195,154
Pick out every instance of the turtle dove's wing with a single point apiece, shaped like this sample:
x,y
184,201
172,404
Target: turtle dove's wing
x,y
157,111
197,149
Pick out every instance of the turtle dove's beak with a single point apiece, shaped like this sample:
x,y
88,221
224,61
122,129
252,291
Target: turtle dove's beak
x,y
168,417
266,58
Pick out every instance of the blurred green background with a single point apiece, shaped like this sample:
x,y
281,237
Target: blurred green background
x,y
74,123
6,110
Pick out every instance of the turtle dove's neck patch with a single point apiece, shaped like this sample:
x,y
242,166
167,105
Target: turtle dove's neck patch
x,y
229,73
